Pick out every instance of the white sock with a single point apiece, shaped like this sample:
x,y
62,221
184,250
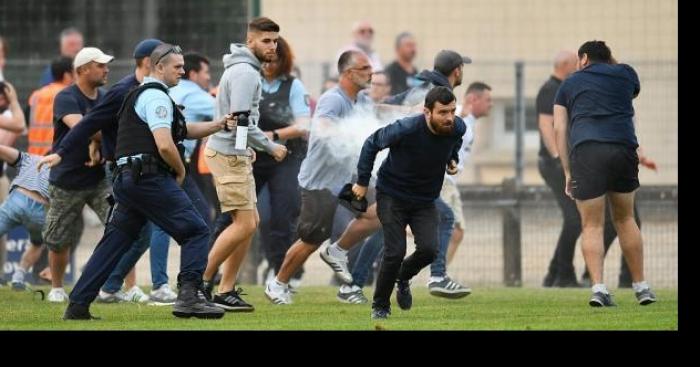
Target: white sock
x,y
345,288
600,288
20,270
280,284
638,287
435,279
336,251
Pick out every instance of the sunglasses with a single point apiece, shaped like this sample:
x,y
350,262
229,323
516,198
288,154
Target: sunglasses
x,y
175,49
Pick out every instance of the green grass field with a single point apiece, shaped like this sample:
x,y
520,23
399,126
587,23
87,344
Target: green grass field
x,y
315,308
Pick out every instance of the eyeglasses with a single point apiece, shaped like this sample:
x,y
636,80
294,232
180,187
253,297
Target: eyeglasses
x,y
366,30
175,49
364,68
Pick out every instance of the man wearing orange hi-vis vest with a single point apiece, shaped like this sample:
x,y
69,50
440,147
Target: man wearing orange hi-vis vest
x,y
40,134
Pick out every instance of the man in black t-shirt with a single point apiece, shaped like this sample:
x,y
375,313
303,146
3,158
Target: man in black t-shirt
x,y
561,271
73,184
401,72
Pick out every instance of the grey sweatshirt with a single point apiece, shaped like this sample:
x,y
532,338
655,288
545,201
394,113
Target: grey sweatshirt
x,y
239,90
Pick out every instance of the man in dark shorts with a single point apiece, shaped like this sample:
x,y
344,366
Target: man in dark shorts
x,y
603,160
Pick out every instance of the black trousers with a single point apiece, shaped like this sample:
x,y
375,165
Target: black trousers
x,y
562,263
395,214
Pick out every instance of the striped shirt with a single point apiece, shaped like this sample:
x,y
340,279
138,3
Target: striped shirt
x,y
28,177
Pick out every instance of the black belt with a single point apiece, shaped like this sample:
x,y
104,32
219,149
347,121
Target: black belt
x,y
145,165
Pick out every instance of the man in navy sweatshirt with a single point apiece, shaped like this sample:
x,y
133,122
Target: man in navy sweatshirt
x,y
421,149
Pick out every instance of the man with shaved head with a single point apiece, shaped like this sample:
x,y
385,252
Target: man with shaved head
x,y
362,37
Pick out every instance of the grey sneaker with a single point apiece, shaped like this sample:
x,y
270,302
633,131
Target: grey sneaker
x,y
448,288
600,299
192,302
645,297
353,296
163,295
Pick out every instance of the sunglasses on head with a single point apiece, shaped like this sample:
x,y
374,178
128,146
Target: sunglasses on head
x,y
175,49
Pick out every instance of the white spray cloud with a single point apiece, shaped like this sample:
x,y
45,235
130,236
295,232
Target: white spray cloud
x,y
344,138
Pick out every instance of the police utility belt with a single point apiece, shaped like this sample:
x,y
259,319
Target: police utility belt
x,y
144,164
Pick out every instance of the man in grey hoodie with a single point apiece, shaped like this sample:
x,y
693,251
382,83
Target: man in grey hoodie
x,y
239,91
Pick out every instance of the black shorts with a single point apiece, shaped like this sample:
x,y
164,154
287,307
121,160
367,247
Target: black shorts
x,y
316,219
597,168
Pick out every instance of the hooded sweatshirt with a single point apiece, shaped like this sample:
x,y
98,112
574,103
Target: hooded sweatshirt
x,y
416,95
239,90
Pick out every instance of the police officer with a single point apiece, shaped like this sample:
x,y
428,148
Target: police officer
x,y
150,170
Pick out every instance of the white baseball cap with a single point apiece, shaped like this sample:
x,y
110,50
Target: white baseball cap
x,y
88,54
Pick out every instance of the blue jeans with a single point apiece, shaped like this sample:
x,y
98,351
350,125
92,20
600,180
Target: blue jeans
x,y
159,241
157,198
21,210
368,254
445,227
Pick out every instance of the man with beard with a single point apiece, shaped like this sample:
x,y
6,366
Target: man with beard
x,y
421,149
240,89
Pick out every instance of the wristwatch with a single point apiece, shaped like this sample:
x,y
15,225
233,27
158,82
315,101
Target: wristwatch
x,y
275,135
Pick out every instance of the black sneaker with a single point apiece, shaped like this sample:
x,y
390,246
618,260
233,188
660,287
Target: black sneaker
x,y
645,297
191,301
600,299
549,279
76,311
207,289
380,313
403,294
566,282
232,301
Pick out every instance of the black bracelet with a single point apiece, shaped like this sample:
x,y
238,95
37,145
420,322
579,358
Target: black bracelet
x,y
275,135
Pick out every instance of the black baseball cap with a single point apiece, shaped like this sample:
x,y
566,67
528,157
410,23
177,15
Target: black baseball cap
x,y
448,60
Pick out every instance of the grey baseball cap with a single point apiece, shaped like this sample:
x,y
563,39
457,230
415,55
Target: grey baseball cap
x,y
448,60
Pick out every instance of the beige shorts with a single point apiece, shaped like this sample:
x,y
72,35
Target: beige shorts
x,y
234,181
450,195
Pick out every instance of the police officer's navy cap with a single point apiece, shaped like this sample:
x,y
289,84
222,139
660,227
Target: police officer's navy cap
x,y
145,47
448,60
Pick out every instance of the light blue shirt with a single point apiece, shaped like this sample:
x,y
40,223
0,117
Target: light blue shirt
x,y
199,106
321,169
298,96
154,106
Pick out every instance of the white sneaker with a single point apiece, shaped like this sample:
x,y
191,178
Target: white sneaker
x,y
18,280
163,294
57,295
278,294
136,295
338,264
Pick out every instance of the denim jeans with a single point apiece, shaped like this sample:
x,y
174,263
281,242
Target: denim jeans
x,y
365,259
21,210
445,227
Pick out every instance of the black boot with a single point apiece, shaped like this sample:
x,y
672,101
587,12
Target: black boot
x,y
76,311
192,302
